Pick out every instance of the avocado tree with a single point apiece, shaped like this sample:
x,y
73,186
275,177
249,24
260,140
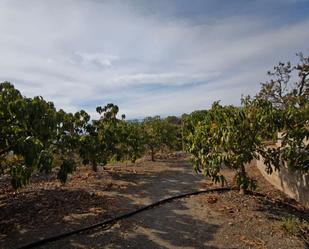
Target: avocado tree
x,y
159,134
233,136
288,86
91,147
27,128
98,139
32,133
174,128
133,140
288,93
108,138
70,128
224,138
188,125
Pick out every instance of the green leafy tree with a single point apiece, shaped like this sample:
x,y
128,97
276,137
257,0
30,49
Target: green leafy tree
x,y
27,127
288,93
32,133
233,136
105,139
188,126
174,126
70,127
133,140
159,134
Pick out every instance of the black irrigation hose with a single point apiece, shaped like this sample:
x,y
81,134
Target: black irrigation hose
x,y
123,216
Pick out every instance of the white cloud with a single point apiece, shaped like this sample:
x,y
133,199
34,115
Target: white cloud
x,y
99,59
80,54
175,78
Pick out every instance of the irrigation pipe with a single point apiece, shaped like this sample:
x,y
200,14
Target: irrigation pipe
x,y
123,216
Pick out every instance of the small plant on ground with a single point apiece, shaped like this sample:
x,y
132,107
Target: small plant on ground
x,y
297,227
291,225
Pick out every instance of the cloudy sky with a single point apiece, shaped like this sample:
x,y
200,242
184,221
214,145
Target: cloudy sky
x,y
149,57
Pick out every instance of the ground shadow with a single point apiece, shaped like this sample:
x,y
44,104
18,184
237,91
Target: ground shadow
x,y
45,213
159,185
278,209
166,226
53,211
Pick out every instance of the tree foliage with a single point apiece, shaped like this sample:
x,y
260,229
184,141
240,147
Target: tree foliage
x,y
160,134
35,137
228,136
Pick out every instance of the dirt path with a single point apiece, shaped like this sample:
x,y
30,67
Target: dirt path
x,y
206,221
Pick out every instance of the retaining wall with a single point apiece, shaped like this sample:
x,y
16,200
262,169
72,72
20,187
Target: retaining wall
x,y
294,184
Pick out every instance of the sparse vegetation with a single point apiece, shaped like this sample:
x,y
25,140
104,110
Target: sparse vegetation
x,y
291,224
297,227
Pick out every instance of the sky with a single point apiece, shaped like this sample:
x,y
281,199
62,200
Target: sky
x,y
162,57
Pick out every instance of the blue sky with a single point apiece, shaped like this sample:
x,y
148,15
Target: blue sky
x,y
149,57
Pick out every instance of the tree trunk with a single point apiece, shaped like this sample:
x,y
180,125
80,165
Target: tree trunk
x,y
152,155
242,174
94,166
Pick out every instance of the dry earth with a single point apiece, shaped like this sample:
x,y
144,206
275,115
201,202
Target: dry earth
x,y
213,220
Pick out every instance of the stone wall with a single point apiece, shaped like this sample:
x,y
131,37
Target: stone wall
x,y
294,184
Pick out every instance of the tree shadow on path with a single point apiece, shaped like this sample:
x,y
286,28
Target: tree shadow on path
x,y
167,226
